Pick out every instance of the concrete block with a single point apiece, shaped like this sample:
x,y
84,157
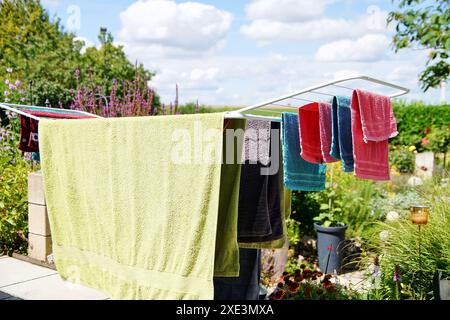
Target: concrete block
x,y
425,165
36,188
38,220
39,247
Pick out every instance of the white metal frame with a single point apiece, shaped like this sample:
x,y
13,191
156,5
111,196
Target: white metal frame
x,y
240,114
16,109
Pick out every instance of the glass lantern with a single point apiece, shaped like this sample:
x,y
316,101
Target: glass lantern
x,y
419,215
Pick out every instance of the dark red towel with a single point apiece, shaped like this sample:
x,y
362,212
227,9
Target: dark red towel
x,y
58,115
28,134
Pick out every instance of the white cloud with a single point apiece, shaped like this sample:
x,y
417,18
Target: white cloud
x,y
367,48
270,31
285,10
50,3
165,27
87,43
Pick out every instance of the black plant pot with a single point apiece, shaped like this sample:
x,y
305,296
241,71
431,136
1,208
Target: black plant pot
x,y
329,247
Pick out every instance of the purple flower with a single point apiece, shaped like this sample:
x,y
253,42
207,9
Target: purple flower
x,y
17,83
77,74
397,277
6,93
21,91
23,99
7,81
12,87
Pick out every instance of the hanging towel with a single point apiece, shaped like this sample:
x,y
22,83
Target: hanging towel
x,y
315,132
373,123
227,250
257,142
341,146
299,174
259,218
28,135
246,286
286,200
58,114
133,203
325,132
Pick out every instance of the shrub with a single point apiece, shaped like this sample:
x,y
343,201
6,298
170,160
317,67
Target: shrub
x,y
13,205
402,158
413,119
396,245
351,203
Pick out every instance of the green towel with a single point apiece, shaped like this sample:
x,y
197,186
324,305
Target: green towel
x,y
126,218
227,249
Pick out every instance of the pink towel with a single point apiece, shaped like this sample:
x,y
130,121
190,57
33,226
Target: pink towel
x,y
315,132
373,123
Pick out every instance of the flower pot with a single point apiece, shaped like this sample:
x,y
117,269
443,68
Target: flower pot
x,y
329,247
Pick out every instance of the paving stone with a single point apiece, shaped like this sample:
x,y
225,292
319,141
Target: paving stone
x,y
53,288
14,271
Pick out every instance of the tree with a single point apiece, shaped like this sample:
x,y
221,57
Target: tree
x,y
40,50
425,25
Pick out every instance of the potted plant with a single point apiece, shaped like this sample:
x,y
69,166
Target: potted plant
x,y
330,236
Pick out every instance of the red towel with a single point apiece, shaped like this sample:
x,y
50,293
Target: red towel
x,y
315,132
28,135
58,115
373,123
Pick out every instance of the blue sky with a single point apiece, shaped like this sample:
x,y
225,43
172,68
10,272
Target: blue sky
x,y
242,51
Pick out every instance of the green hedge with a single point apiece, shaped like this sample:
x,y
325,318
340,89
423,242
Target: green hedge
x,y
414,118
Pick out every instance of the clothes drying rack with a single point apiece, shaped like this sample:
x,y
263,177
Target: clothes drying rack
x,y
297,96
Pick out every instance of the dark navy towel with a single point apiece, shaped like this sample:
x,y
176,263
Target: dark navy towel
x,y
246,286
342,145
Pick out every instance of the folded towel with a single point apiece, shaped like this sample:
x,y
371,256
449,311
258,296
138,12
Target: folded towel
x,y
342,147
227,250
28,135
377,116
128,216
299,174
373,123
246,286
286,208
257,142
325,132
260,214
278,243
58,114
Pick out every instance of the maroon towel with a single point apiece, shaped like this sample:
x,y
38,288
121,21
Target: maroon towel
x,y
28,134
373,123
315,132
58,115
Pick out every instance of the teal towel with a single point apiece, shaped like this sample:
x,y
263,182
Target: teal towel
x,y
298,173
342,145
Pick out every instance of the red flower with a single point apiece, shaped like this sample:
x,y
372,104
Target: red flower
x,y
294,287
427,131
330,248
279,294
280,285
425,141
307,274
299,278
